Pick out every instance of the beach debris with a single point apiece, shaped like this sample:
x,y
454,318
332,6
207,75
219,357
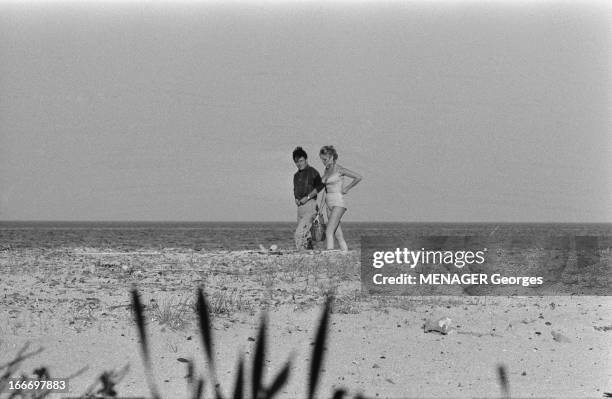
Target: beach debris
x,y
273,250
442,326
182,360
558,337
603,328
112,263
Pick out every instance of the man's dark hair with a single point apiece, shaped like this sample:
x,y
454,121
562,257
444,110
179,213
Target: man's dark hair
x,y
299,153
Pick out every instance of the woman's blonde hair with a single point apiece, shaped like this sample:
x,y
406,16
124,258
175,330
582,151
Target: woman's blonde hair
x,y
329,150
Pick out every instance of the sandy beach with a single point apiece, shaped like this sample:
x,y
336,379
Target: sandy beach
x,y
75,304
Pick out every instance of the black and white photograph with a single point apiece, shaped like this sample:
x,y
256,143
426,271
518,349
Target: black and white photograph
x,y
305,199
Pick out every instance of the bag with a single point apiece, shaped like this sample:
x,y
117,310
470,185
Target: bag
x,y
317,230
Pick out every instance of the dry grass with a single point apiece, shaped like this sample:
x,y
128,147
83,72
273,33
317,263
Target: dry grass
x,y
347,304
172,313
227,302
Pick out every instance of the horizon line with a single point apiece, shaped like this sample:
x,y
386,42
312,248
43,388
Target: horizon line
x,y
290,221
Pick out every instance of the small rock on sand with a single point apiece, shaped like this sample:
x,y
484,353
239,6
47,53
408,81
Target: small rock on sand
x,y
443,325
557,336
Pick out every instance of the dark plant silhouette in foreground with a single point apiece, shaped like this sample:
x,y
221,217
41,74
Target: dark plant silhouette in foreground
x,y
503,381
259,390
41,374
105,386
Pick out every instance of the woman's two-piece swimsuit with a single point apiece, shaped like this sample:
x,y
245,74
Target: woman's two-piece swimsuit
x,y
333,188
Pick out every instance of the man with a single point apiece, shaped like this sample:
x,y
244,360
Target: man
x,y
306,184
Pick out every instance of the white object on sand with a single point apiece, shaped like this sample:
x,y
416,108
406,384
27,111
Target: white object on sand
x,y
443,325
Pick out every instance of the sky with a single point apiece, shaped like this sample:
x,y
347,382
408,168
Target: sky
x,y
452,111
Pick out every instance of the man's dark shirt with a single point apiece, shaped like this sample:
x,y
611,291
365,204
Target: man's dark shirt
x,y
304,181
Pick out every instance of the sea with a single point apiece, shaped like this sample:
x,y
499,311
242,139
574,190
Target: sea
x,y
213,236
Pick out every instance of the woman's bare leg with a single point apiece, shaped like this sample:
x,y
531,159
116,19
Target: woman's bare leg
x,y
333,221
340,238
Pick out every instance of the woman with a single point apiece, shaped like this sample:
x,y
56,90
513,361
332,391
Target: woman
x,y
334,195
